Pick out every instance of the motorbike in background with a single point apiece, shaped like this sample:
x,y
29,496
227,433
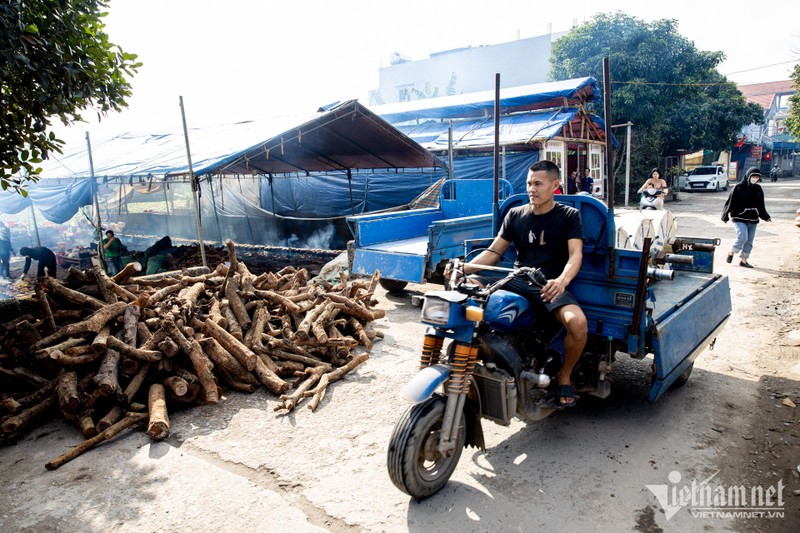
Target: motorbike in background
x,y
652,199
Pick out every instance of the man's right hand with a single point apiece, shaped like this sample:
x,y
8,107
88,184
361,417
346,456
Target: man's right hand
x,y
451,274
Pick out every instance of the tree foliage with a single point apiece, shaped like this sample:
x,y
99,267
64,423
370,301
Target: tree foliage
x,y
55,62
793,120
660,81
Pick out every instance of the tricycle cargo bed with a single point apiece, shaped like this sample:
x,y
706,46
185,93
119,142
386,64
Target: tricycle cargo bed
x,y
689,312
402,260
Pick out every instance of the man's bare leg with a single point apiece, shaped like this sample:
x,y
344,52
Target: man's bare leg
x,y
577,332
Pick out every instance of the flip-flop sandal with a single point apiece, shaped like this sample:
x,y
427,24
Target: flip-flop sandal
x,y
564,391
567,391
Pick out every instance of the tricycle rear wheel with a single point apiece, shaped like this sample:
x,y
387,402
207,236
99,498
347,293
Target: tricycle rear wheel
x,y
415,465
393,285
683,378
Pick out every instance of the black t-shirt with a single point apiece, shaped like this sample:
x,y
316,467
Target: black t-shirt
x,y
541,240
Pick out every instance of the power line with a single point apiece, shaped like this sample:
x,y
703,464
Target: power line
x,y
670,84
764,66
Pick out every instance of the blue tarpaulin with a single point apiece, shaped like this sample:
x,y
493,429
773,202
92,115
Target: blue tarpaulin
x,y
565,93
57,201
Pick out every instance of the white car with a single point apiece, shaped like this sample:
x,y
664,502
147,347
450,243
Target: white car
x,y
707,178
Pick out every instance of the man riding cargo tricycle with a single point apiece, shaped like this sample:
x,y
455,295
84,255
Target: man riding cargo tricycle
x,y
511,351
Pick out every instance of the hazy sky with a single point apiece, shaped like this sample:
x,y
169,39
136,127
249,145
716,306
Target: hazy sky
x,y
242,59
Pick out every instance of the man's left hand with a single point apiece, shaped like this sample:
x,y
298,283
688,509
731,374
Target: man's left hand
x,y
553,289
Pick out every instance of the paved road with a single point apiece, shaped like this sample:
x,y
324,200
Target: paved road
x,y
239,467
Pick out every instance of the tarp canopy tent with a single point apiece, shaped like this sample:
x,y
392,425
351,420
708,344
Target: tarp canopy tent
x,y
333,141
566,93
346,136
516,130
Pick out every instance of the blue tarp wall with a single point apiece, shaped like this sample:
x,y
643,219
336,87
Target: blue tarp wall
x,y
321,196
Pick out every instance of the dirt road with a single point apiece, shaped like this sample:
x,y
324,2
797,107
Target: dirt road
x,y
238,467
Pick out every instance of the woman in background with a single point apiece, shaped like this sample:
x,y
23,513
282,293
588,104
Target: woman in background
x,y
745,206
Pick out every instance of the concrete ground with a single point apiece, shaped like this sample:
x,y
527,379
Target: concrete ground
x,y
240,467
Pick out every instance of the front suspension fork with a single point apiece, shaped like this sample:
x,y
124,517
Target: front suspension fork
x,y
457,386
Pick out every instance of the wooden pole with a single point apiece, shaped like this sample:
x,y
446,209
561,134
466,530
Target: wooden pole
x,y
194,186
100,250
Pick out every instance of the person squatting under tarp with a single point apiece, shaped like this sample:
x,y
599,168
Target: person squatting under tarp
x,y
46,260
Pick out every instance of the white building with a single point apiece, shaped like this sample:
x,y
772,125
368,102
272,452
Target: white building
x,y
465,70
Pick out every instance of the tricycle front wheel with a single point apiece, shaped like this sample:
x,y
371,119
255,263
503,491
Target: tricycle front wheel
x,y
415,464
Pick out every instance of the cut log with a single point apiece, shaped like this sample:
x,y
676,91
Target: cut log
x,y
169,348
235,302
130,269
102,284
94,323
319,325
100,342
319,391
289,401
22,419
26,332
176,385
44,353
158,424
86,424
242,353
130,391
149,356
15,405
276,298
107,377
215,313
30,376
359,332
174,274
225,361
232,324
269,378
44,303
79,275
142,334
257,327
202,365
129,420
87,355
354,309
320,305
163,293
67,391
75,297
188,297
129,324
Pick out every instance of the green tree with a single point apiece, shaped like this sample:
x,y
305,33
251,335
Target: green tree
x,y
55,62
793,120
661,82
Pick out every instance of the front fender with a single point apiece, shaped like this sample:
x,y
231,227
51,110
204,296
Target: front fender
x,y
425,382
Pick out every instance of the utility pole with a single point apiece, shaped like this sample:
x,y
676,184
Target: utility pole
x,y
194,187
627,159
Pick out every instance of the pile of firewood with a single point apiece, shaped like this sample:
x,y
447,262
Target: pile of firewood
x,y
113,352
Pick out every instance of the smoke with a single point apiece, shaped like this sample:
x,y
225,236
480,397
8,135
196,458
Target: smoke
x,y
320,239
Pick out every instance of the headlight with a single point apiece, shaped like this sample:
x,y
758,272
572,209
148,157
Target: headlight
x,y
435,310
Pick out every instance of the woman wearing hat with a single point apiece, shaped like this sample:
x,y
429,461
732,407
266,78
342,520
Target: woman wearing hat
x,y
745,206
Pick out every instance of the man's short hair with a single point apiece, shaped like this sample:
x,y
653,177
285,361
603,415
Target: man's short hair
x,y
24,251
550,168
